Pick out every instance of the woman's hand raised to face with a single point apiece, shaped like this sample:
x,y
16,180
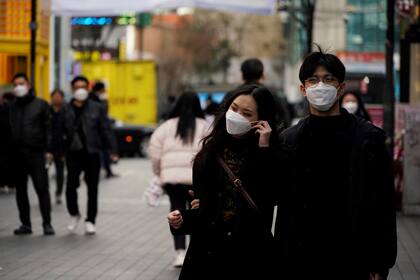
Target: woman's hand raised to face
x,y
175,219
264,130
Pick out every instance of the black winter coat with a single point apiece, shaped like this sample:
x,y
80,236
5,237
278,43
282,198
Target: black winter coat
x,y
57,143
246,250
30,121
96,129
6,153
371,243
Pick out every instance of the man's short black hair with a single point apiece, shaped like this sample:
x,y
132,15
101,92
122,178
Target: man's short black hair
x,y
57,91
319,58
20,75
79,78
98,86
252,70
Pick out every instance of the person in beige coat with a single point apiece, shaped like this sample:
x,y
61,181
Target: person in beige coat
x,y
172,149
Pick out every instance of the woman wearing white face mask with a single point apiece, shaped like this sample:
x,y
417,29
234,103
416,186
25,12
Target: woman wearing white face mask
x,y
230,231
353,103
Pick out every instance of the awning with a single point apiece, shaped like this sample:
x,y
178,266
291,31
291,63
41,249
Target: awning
x,y
118,7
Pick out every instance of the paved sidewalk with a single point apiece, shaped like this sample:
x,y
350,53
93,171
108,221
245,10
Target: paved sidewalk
x,y
132,240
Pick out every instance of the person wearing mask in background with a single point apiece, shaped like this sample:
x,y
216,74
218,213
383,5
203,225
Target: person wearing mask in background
x,y
252,70
98,94
30,122
172,148
231,229
57,102
87,132
353,103
6,155
337,216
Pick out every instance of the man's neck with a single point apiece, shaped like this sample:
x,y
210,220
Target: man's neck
x,y
56,108
334,111
78,103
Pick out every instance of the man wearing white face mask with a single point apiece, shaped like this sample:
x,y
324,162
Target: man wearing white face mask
x,y
87,132
337,219
30,123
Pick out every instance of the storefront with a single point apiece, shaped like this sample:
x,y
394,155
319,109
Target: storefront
x,y
15,17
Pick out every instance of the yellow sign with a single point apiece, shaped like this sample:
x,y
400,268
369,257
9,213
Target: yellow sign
x,y
131,87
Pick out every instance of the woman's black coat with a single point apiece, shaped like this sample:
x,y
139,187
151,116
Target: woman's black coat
x,y
250,255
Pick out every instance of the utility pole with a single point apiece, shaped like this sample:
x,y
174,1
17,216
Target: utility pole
x,y
307,9
33,26
310,12
389,95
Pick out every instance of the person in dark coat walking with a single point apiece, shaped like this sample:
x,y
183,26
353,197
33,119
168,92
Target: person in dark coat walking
x,y
6,153
98,94
87,131
230,239
30,122
57,103
337,218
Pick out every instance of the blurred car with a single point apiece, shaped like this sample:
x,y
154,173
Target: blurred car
x,y
132,140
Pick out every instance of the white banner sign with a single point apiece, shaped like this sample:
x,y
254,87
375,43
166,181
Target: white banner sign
x,y
118,7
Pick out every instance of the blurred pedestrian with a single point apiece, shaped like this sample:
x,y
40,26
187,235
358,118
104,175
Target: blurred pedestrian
x,y
87,132
252,70
57,103
233,179
211,109
353,103
99,94
6,154
337,216
30,122
173,146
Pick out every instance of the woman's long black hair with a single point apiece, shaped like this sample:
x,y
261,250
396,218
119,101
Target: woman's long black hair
x,y
214,142
187,108
361,110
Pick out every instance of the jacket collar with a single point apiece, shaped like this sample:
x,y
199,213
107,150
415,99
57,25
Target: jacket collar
x,y
26,99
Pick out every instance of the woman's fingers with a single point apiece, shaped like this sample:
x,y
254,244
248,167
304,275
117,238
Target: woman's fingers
x,y
175,219
195,204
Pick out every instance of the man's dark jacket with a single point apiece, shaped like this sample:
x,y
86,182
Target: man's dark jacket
x,y
95,126
369,216
30,123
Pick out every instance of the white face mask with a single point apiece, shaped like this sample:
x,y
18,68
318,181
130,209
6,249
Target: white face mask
x,y
81,94
236,124
103,96
321,96
351,107
20,90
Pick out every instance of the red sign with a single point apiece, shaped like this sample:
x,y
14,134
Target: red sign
x,y
376,113
361,56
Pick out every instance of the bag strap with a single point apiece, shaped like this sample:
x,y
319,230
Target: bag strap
x,y
238,184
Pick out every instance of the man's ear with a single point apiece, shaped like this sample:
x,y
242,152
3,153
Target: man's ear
x,y
303,90
341,88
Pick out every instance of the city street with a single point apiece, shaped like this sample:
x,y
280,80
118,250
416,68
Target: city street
x,y
132,240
